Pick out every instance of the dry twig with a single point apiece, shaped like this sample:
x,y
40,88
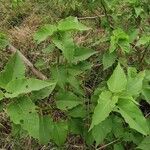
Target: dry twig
x,y
36,72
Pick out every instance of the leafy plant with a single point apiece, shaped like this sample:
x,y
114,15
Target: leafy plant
x,y
104,113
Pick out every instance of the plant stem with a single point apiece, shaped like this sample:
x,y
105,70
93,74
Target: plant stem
x,y
106,14
104,146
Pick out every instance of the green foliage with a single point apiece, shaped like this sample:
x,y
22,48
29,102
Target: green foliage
x,y
15,69
101,130
119,39
108,59
145,144
133,116
111,112
22,111
117,82
67,100
3,40
106,103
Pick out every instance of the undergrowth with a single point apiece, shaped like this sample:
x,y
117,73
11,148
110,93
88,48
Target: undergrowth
x,y
96,92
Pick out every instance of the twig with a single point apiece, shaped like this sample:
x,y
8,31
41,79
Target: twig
x,y
36,72
93,17
147,115
104,146
106,14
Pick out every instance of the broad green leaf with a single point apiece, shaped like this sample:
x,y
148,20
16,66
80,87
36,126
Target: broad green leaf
x,y
3,40
147,76
133,34
45,129
134,85
138,10
118,147
88,136
15,69
132,72
119,38
67,100
113,44
59,134
44,32
79,68
101,130
117,126
75,83
75,126
145,144
82,53
133,116
43,93
1,95
147,60
145,39
59,74
108,59
77,112
64,42
117,82
125,46
23,111
23,86
106,103
146,94
146,86
71,23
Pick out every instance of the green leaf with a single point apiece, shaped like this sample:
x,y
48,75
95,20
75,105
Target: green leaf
x,y
101,130
145,144
44,32
133,116
15,69
76,126
45,129
23,111
89,139
119,38
82,53
3,40
23,86
118,128
59,74
132,72
43,93
108,59
138,10
134,85
59,134
118,147
77,112
1,95
71,23
67,100
106,103
145,39
146,94
75,83
117,82
64,42
125,46
113,44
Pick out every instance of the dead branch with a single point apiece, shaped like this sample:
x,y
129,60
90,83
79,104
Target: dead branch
x,y
36,72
